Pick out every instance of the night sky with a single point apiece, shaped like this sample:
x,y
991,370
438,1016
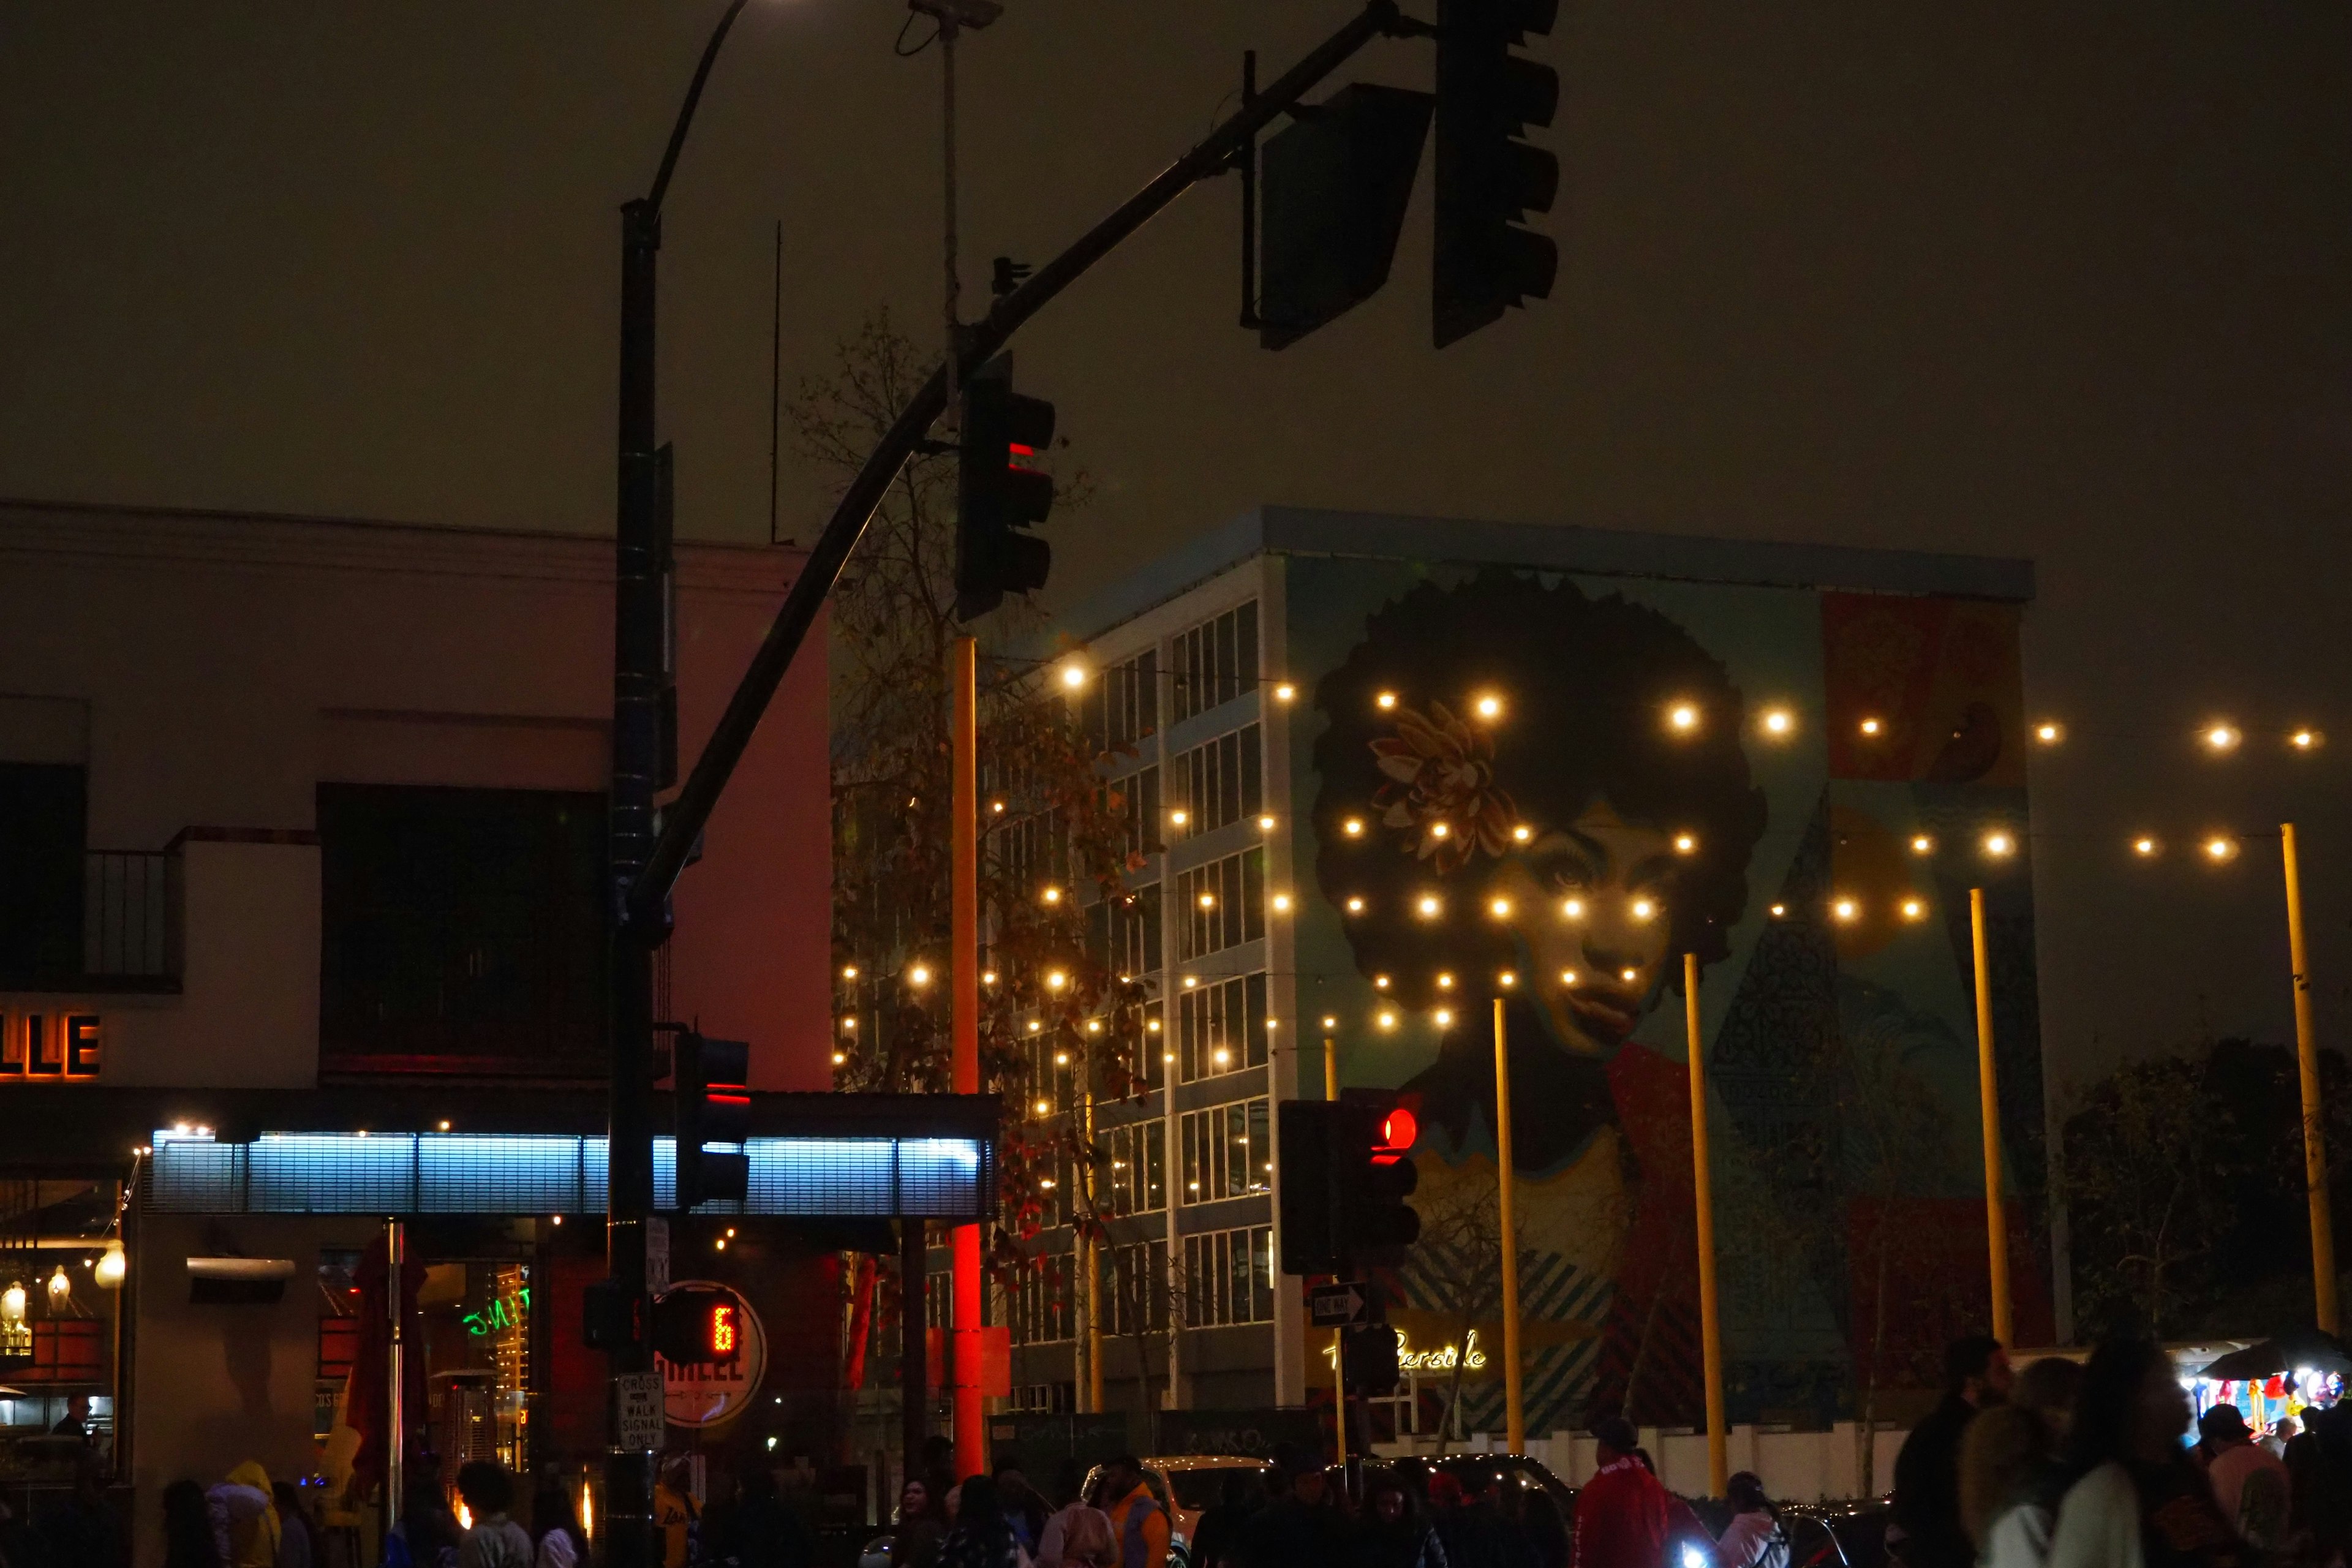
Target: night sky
x,y
2065,282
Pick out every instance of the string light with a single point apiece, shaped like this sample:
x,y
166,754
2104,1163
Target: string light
x,y
1386,699
1779,909
849,972
1444,1018
2220,848
840,1058
2049,732
996,806
2304,740
1045,1108
918,976
1683,715
1779,721
1074,675
1871,726
1282,903
1056,980
1685,844
1572,908
1922,844
1380,981
1388,1020
1490,706
1034,1027
1913,909
1507,979
1285,692
1330,1022
1094,1026
2222,737
1500,908
1061,1058
1177,818
1266,824
1998,844
1355,906
1152,1026
1845,909
1353,827
1430,906
1522,833
1568,977
1190,981
1052,895
2145,846
987,977
1644,909
1208,900
1628,975
1438,830
1444,980
1218,1055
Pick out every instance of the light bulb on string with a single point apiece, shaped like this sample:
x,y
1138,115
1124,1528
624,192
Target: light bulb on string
x,y
2220,848
2146,846
1913,910
1385,700
1285,691
1355,906
1685,844
1490,706
1429,907
2049,732
2222,736
1572,908
2000,844
1499,908
1522,833
1779,721
1074,674
2305,739
1872,726
1683,717
1778,911
1923,843
1353,827
1444,980
1568,977
1845,910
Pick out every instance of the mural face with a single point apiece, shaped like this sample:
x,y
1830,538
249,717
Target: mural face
x,y
1542,793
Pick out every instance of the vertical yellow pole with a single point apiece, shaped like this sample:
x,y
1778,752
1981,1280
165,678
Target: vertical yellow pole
x,y
963,974
1514,1410
1339,1366
1710,1323
1989,1092
2315,1108
1092,1263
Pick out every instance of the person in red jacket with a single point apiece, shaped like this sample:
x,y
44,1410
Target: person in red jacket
x,y
1623,1517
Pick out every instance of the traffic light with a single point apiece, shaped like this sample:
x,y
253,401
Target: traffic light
x,y
1337,182
711,1096
1374,1222
1000,492
1368,1359
1304,1183
1486,177
1346,1172
697,1325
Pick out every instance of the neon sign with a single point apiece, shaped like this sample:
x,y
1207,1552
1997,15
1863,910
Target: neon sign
x,y
498,1314
1444,1358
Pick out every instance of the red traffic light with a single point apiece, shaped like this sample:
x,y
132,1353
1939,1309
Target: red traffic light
x,y
1399,1132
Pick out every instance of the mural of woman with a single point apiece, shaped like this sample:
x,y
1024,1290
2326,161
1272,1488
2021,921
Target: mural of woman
x,y
1530,793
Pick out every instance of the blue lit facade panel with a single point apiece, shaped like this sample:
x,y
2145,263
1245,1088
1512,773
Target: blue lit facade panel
x,y
322,1172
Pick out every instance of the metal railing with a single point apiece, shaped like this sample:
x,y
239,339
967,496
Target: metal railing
x,y
130,900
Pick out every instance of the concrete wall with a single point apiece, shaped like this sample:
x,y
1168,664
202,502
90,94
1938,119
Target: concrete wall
x,y
212,671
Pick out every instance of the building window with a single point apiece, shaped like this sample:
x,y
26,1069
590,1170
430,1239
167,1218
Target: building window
x,y
1135,1288
1139,803
1038,1303
43,820
1228,1151
1126,935
1137,1181
1229,1276
1123,705
1214,662
1044,1398
461,927
1219,782
1221,904
1221,1026
1030,851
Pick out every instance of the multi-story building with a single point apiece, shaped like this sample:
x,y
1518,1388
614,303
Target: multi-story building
x,y
1403,768
303,925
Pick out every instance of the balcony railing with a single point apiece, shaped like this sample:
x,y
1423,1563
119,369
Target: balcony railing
x,y
130,905
111,924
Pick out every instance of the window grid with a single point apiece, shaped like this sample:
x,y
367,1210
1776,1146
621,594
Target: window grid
x,y
1220,1028
1229,1276
1135,1286
1137,1180
1220,780
1123,705
1214,662
1038,1305
1138,803
1125,938
1228,1151
1221,904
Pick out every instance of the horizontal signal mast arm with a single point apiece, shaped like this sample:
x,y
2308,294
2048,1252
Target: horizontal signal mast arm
x,y
683,822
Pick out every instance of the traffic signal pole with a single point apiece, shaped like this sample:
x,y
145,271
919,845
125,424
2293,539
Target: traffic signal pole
x,y
639,919
963,975
1213,154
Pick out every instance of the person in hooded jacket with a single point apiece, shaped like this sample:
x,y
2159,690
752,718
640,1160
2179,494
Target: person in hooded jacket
x,y
1392,1533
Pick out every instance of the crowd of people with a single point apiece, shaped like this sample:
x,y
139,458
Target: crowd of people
x,y
2092,1466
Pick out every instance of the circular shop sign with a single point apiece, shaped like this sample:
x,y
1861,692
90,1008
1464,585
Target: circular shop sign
x,y
709,1393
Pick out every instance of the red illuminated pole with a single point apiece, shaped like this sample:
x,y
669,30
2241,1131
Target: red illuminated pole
x,y
963,974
